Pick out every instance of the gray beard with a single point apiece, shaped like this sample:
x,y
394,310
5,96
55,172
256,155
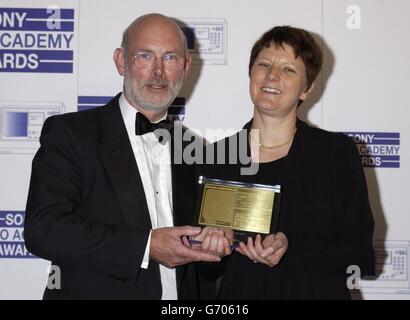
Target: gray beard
x,y
136,99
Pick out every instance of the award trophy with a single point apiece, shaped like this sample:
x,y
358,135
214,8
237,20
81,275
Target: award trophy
x,y
246,208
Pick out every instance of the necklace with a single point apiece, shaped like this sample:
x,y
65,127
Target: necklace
x,y
278,145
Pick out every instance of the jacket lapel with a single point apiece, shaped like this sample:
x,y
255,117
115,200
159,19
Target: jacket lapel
x,y
183,177
183,191
121,168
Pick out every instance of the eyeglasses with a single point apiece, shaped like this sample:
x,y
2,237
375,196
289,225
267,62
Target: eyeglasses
x,y
146,59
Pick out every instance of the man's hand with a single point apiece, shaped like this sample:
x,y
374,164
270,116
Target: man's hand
x,y
215,241
269,251
167,248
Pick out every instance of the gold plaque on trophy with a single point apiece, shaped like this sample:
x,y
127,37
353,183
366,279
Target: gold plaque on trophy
x,y
243,207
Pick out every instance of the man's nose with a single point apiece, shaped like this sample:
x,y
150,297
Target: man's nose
x,y
158,67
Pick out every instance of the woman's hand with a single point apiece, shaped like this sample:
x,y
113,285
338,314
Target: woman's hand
x,y
269,251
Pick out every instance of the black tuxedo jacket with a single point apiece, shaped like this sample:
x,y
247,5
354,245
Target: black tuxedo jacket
x,y
87,212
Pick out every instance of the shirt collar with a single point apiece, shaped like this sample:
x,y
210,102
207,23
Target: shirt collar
x,y
128,114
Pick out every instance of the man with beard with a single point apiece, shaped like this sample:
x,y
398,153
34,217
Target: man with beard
x,y
107,204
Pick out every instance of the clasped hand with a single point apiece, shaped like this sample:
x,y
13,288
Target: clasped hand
x,y
218,242
171,247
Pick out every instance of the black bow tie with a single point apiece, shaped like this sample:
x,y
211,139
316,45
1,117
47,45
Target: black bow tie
x,y
143,125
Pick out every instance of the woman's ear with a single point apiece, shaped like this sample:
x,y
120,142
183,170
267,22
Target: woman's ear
x,y
305,94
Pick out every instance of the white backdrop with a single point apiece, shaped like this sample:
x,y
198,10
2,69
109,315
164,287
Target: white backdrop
x,y
361,92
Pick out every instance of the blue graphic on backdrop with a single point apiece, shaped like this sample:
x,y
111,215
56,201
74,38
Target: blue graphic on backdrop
x,y
36,40
15,124
175,112
91,102
11,235
206,39
378,149
177,109
392,268
22,120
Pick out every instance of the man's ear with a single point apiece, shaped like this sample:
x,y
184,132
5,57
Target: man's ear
x,y
119,61
305,94
188,62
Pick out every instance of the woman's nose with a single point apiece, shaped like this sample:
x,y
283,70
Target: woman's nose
x,y
273,74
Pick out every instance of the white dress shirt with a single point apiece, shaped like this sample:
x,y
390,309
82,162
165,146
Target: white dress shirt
x,y
154,165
